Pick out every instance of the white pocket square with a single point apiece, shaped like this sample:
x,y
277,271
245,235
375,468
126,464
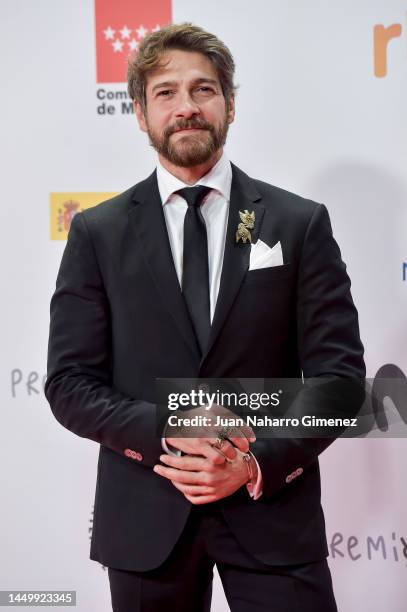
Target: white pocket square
x,y
262,256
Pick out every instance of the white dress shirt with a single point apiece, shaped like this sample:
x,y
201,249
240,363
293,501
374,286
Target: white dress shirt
x,y
215,210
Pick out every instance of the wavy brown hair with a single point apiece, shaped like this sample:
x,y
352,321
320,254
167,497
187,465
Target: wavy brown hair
x,y
184,37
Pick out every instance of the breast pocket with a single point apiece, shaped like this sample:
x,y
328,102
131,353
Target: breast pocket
x,y
266,299
266,275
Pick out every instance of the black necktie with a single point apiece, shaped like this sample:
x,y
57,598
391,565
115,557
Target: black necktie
x,y
195,271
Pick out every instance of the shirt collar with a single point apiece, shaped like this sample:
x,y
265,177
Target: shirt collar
x,y
219,177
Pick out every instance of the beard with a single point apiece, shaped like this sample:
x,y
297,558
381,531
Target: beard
x,y
190,149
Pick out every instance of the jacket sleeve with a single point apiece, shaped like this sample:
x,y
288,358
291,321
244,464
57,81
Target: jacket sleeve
x,y
79,382
330,351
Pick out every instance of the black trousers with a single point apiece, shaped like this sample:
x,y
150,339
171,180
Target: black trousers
x,y
183,583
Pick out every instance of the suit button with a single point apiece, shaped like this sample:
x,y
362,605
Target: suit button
x,y
289,478
299,472
132,454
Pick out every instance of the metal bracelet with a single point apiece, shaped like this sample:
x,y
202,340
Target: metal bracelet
x,y
248,460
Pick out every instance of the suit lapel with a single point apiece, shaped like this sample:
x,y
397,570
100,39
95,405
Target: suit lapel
x,y
146,220
243,196
148,223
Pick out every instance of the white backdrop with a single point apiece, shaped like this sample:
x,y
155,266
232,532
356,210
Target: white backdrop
x,y
312,118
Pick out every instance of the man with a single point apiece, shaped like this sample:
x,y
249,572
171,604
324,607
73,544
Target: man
x,y
162,282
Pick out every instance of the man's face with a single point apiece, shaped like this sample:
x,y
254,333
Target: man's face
x,y
186,117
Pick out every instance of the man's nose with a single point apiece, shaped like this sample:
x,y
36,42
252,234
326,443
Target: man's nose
x,y
186,106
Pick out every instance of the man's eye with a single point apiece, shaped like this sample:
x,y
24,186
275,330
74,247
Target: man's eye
x,y
164,93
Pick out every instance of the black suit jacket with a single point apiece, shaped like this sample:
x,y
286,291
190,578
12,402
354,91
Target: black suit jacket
x,y
118,321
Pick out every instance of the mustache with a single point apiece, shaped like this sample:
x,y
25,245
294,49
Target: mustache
x,y
185,124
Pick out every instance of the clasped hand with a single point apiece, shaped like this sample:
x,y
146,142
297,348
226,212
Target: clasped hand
x,y
206,473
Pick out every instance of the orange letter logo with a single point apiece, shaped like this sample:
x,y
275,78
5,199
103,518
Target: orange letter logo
x,y
382,37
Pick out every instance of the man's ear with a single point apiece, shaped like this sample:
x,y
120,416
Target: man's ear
x,y
231,110
140,116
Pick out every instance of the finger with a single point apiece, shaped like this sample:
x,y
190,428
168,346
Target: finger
x,y
212,454
241,443
239,440
183,444
198,500
243,434
227,449
193,489
200,447
188,462
249,433
179,475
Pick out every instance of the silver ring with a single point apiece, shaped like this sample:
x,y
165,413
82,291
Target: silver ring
x,y
224,433
219,442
